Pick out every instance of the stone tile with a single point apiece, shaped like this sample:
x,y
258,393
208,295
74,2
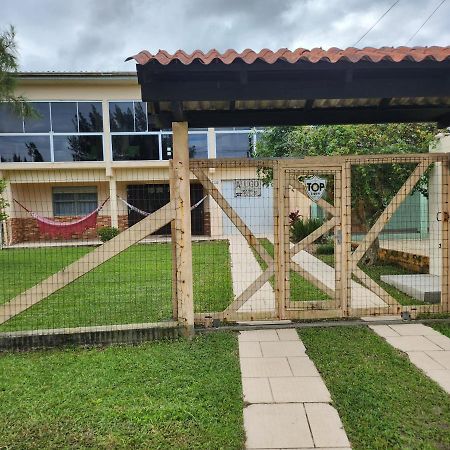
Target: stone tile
x,y
258,335
249,349
424,361
257,390
302,366
442,377
288,334
412,343
441,340
277,426
326,426
414,329
282,348
383,330
299,389
442,357
265,367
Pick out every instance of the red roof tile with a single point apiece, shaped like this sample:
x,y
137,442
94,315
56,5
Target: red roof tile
x,y
351,54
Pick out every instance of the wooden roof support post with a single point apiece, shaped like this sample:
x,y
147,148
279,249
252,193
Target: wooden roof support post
x,y
183,227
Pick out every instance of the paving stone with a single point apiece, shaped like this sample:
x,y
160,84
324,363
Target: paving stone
x,y
326,426
288,334
265,367
302,366
414,329
412,343
249,349
442,377
424,361
258,335
277,426
299,389
383,330
282,348
257,390
442,357
441,340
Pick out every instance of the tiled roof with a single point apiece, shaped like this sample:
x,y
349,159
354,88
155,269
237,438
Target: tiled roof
x,y
393,54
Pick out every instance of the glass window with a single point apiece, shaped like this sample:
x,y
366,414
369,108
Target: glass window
x,y
135,147
90,117
10,120
140,116
233,145
25,149
64,117
121,116
198,146
41,123
78,148
74,201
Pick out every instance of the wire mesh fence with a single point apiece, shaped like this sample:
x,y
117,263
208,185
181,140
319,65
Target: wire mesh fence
x,y
83,252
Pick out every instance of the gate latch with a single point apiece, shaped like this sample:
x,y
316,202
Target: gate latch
x,y
444,216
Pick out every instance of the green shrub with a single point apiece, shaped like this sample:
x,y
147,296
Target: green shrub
x,y
304,227
107,233
325,249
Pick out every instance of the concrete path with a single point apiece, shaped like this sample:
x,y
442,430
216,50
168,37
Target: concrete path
x,y
427,349
361,297
287,402
244,270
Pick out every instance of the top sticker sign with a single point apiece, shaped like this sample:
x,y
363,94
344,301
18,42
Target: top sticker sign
x,y
315,187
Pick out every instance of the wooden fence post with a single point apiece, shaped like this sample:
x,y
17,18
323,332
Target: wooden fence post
x,y
183,226
346,238
173,234
445,278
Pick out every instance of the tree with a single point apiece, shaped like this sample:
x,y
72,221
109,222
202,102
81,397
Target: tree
x,y
373,186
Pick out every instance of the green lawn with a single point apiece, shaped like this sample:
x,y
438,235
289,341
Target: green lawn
x,y
159,395
133,287
301,290
383,400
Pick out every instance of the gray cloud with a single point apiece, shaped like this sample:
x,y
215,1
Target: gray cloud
x,y
100,34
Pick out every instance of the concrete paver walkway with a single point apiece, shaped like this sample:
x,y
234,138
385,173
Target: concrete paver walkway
x,y
427,349
244,270
288,404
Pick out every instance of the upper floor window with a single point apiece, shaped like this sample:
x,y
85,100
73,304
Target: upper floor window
x,y
234,144
128,116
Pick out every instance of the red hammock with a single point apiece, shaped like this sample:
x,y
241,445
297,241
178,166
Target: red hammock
x,y
65,229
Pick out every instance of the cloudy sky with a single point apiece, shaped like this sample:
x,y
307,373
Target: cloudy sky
x,y
100,34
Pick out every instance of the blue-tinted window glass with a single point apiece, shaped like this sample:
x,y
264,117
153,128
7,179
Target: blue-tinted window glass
x,y
25,149
135,147
64,117
78,148
40,123
10,120
140,116
233,145
167,146
90,117
121,116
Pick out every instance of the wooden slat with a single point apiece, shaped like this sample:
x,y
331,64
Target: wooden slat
x,y
312,279
260,281
388,212
296,184
316,234
88,262
173,231
232,214
374,287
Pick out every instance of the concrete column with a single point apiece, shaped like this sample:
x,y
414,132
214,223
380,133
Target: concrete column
x,y
113,202
434,205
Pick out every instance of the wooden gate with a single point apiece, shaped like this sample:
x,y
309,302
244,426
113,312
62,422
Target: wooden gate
x,y
323,274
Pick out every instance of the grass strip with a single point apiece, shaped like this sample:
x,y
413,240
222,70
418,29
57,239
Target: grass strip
x,y
159,395
384,401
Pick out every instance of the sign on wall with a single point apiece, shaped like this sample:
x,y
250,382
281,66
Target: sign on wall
x,y
247,188
315,187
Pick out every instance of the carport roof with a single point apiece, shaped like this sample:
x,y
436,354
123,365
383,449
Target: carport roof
x,y
296,87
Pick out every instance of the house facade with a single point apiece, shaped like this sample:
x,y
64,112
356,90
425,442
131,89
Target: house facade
x,y
92,141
